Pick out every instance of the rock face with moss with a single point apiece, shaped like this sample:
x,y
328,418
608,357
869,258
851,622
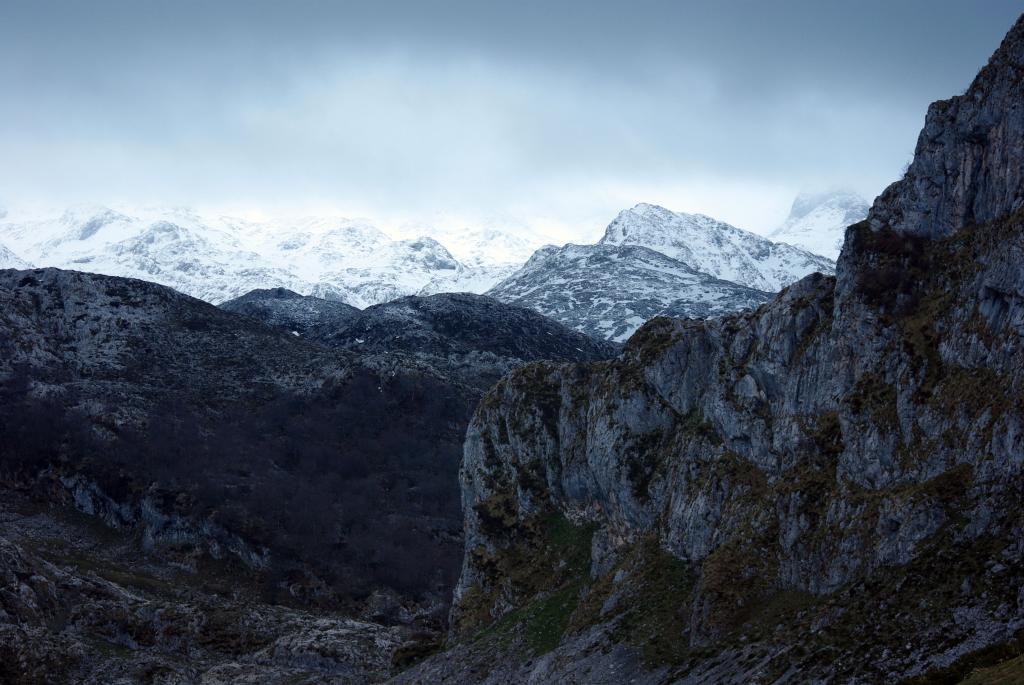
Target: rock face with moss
x,y
966,166
826,489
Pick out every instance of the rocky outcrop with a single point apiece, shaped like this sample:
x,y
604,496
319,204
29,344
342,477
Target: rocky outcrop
x,y
77,608
449,324
470,340
195,431
321,468
966,167
825,489
440,325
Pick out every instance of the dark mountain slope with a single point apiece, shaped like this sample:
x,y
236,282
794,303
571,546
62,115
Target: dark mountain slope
x,y
440,326
470,340
463,323
826,489
292,312
215,446
136,396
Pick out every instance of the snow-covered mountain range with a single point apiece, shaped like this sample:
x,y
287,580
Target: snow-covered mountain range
x,y
219,258
654,261
650,260
817,222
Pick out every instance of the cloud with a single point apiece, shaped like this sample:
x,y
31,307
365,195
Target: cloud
x,y
568,112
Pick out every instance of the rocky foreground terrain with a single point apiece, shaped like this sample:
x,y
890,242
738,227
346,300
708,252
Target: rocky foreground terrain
x,y
824,490
197,495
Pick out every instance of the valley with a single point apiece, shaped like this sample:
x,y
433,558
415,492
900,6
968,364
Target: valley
x,y
301,451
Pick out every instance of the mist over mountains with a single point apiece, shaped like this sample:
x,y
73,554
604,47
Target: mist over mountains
x,y
354,262
817,221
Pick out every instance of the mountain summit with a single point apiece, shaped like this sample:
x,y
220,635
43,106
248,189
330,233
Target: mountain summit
x,y
967,166
653,261
608,291
217,258
714,247
817,222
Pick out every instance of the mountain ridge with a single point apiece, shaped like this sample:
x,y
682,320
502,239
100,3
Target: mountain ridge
x,y
652,261
219,258
714,247
185,434
823,489
608,291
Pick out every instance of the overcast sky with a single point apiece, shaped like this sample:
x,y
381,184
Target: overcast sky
x,y
557,113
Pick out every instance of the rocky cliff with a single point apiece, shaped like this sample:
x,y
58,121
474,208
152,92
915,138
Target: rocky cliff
x,y
966,166
826,489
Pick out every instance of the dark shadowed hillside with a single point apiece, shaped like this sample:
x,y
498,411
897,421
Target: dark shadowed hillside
x,y
318,477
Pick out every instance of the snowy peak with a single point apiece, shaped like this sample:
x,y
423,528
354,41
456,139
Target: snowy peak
x,y
608,291
485,241
83,222
9,260
817,221
654,261
714,247
216,258
426,253
846,201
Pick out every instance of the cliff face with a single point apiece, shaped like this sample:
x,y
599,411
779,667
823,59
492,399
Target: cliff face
x,y
966,166
825,489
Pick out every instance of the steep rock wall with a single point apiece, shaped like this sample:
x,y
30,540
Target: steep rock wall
x,y
844,463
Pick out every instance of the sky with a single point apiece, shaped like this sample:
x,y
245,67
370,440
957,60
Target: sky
x,y
552,115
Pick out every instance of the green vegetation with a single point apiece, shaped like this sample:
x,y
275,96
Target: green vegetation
x,y
874,397
416,650
1000,664
1008,673
657,616
497,513
540,624
652,339
547,568
828,434
650,605
652,449
694,424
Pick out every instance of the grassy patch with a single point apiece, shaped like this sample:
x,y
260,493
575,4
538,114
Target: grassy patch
x,y
1001,664
546,569
875,398
651,603
1007,673
540,624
